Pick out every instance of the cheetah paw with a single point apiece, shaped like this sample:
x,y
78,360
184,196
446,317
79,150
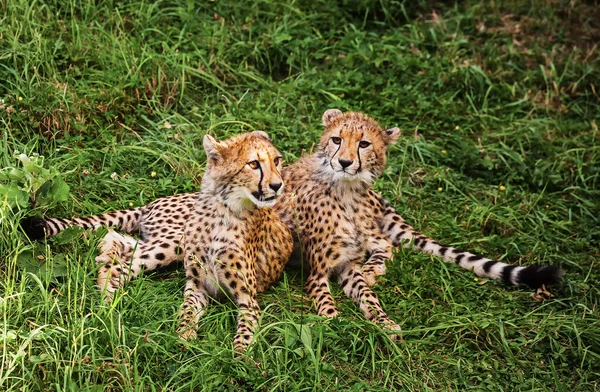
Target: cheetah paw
x,y
391,326
109,253
370,278
370,274
187,333
541,294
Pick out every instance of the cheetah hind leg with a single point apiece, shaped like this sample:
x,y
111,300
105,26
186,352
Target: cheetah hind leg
x,y
116,251
371,271
380,250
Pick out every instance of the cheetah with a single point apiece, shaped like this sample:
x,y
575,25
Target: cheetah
x,y
329,205
162,219
227,235
348,230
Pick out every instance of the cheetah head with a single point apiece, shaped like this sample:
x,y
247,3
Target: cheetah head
x,y
353,147
244,170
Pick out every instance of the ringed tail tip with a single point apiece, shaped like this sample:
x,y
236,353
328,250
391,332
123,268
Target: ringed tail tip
x,y
34,227
536,276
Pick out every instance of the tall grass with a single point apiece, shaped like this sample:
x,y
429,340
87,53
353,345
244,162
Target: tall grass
x,y
499,106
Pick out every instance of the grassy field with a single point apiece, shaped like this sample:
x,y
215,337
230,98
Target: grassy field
x,y
499,104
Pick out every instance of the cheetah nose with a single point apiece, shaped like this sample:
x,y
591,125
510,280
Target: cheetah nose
x,y
275,187
345,163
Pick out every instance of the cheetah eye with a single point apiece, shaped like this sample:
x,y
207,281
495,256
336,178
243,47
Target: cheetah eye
x,y
364,144
278,161
336,140
254,165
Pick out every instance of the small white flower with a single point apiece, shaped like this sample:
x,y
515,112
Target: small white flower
x,y
23,156
114,176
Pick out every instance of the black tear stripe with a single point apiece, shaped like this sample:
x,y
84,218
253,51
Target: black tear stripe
x,y
333,156
358,155
261,179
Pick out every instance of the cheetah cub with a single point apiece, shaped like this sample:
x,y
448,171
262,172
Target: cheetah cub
x,y
328,202
348,230
227,235
233,241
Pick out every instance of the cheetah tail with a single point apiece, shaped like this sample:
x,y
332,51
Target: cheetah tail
x,y
38,228
533,276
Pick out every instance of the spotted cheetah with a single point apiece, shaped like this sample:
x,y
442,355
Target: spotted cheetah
x,y
310,177
342,222
329,204
227,235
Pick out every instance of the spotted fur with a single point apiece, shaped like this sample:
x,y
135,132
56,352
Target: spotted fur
x,y
348,230
402,234
228,236
342,222
329,203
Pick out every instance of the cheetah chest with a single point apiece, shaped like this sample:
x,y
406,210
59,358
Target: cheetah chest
x,y
341,224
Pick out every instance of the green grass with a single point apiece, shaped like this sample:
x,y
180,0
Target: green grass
x,y
499,105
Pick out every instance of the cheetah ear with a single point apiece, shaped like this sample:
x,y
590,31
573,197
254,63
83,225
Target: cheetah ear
x,y
262,134
390,136
330,115
212,148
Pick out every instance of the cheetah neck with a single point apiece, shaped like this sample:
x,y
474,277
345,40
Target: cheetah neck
x,y
230,202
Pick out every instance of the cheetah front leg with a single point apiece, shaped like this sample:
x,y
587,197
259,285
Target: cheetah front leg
x,y
353,284
247,321
317,284
239,278
195,299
